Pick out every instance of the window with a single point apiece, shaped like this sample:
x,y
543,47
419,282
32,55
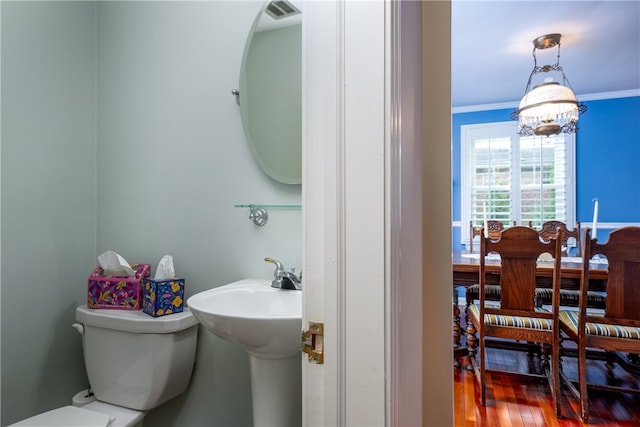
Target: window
x,y
512,178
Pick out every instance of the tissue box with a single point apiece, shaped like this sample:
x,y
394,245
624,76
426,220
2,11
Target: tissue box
x,y
116,292
163,297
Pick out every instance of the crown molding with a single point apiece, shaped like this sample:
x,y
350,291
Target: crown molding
x,y
514,104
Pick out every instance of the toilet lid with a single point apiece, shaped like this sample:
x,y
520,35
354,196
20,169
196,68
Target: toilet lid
x,y
67,416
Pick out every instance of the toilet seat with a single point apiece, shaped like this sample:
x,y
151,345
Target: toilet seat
x,y
93,414
121,416
67,416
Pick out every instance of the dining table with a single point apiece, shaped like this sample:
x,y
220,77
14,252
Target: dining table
x,y
466,271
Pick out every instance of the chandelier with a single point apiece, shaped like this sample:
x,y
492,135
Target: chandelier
x,y
550,107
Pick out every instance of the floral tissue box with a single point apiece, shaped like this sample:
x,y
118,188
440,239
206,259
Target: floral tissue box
x,y
116,292
163,297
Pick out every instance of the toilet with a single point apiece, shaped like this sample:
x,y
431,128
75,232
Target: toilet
x,y
134,362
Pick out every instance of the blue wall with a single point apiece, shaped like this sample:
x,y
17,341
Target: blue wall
x,y
607,161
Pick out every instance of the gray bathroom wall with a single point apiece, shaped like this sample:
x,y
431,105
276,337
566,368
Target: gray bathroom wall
x,y
173,162
48,199
124,135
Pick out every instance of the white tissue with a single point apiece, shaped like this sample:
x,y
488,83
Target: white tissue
x,y
165,269
114,265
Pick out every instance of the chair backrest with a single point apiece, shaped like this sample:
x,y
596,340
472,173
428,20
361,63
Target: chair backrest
x,y
519,248
494,228
623,283
473,232
550,228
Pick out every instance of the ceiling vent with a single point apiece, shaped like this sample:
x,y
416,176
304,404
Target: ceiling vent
x,y
281,9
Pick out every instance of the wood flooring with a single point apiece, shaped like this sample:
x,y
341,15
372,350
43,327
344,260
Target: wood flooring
x,y
516,401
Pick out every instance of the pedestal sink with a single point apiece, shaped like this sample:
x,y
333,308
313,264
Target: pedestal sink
x,y
267,323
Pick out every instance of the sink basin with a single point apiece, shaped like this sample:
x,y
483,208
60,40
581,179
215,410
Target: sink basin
x,y
265,321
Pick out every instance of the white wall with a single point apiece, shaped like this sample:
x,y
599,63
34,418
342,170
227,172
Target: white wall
x,y
48,199
170,165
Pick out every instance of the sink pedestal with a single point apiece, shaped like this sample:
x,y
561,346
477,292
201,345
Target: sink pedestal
x,y
266,323
276,390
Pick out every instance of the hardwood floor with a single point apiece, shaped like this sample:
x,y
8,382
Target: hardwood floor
x,y
516,401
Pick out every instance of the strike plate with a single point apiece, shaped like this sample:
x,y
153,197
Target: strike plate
x,y
313,342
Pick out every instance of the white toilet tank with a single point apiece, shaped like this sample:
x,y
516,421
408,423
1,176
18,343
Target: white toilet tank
x,y
135,360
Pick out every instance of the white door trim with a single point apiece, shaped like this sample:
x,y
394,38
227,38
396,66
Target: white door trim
x,y
366,256
344,209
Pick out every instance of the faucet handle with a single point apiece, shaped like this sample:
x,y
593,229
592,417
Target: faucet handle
x,y
279,268
298,276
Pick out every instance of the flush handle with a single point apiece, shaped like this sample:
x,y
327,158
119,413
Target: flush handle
x,y
78,327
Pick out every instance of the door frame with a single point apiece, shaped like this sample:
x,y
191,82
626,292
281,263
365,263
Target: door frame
x,y
366,196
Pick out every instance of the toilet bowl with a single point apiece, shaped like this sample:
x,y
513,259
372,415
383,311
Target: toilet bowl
x,y
134,363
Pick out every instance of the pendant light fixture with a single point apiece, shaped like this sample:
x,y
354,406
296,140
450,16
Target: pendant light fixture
x,y
550,107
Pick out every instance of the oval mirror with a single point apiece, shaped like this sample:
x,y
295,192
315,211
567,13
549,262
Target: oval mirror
x,y
271,90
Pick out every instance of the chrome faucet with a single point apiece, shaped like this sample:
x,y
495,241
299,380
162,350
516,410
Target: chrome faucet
x,y
285,279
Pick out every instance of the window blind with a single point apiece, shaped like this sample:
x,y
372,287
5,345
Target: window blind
x,y
510,178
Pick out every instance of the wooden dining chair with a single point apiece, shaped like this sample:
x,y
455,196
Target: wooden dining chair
x,y
459,351
515,316
473,232
618,328
549,229
568,297
494,228
494,231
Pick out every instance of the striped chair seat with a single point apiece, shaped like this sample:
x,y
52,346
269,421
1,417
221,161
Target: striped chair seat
x,y
571,297
568,297
570,318
504,320
491,292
